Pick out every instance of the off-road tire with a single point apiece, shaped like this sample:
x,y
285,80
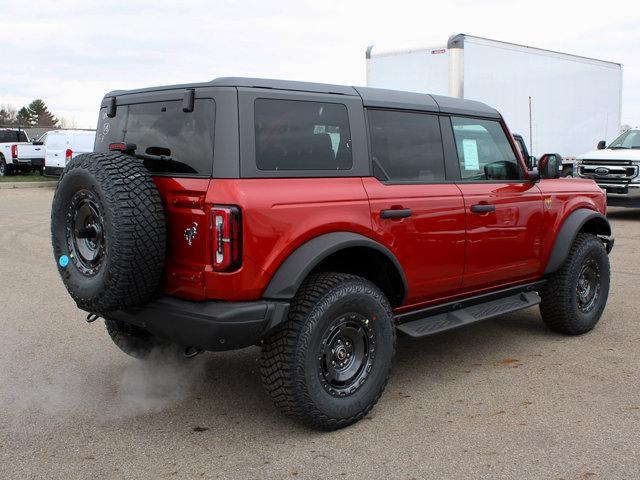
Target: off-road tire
x,y
290,368
137,342
131,244
560,306
4,168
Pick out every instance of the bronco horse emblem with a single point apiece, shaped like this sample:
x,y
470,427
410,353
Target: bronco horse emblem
x,y
190,233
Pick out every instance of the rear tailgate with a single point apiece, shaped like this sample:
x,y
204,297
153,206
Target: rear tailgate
x,y
188,235
28,152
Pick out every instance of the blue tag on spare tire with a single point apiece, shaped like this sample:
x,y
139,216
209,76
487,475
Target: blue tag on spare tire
x,y
63,261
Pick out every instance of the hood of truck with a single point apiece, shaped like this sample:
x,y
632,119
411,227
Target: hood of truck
x,y
609,154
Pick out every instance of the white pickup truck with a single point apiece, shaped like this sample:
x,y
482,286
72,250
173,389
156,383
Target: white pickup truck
x,y
615,168
10,140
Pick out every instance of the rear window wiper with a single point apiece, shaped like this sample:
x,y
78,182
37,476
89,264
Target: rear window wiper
x,y
146,156
164,164
155,159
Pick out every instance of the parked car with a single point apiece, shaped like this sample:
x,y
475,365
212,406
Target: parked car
x,y
10,140
318,221
62,145
615,168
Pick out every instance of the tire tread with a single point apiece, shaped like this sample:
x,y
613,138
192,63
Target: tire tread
x,y
283,377
555,308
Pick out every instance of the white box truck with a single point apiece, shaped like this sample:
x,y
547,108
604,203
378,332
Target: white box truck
x,y
559,103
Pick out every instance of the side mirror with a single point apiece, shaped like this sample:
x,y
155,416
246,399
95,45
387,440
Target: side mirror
x,y
532,162
549,165
602,145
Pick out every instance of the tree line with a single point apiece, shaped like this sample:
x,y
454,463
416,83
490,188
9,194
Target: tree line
x,y
36,114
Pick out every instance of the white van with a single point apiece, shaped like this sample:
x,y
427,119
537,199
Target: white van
x,y
62,145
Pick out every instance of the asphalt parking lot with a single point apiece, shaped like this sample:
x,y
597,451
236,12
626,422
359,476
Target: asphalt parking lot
x,y
501,399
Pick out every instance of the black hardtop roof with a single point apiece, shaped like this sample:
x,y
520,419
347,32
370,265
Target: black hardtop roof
x,y
371,97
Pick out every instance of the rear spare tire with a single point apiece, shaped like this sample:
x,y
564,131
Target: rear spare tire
x,y
108,232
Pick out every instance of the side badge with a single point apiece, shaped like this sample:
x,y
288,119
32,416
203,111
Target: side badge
x,y
190,233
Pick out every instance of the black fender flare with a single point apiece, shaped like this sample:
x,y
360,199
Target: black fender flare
x,y
291,273
568,232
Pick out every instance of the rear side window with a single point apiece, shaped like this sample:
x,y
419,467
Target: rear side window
x,y
169,140
406,146
7,136
302,135
484,151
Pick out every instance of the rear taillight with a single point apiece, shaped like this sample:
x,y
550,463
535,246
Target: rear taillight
x,y
226,224
14,151
68,154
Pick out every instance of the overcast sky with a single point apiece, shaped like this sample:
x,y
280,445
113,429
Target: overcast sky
x,y
70,52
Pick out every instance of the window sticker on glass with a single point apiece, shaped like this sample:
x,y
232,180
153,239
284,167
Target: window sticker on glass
x,y
470,153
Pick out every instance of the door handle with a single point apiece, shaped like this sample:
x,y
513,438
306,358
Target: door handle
x,y
483,208
394,213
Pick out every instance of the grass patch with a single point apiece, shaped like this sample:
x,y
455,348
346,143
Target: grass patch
x,y
26,177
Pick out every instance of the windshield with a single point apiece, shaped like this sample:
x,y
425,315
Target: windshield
x,y
7,136
169,140
629,139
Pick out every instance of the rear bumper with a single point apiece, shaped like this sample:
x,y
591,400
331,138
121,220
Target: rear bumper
x,y
16,165
53,171
213,326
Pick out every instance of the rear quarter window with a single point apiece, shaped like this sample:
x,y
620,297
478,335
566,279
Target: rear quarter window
x,y
301,135
169,140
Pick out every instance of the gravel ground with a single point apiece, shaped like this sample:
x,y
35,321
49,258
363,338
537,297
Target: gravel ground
x,y
501,399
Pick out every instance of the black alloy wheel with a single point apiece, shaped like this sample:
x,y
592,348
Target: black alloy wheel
x,y
85,227
347,354
588,286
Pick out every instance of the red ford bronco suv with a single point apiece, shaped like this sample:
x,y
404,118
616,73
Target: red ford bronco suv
x,y
317,221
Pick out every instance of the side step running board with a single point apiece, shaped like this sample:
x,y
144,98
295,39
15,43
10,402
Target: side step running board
x,y
471,314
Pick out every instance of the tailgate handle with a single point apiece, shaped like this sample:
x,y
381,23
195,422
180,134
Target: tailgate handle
x,y
393,213
483,208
